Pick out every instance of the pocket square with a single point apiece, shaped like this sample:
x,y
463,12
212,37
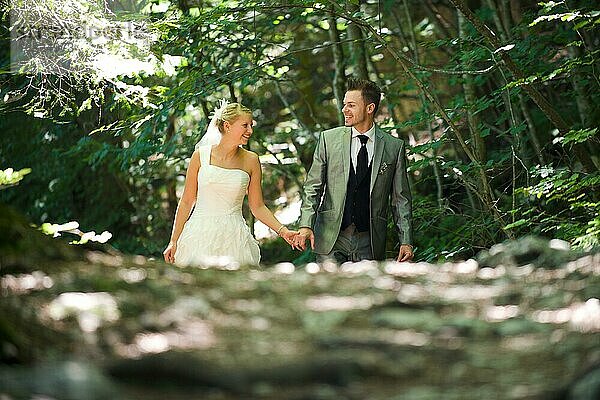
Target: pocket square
x,y
383,168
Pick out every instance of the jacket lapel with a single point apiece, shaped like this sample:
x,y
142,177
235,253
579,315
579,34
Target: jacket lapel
x,y
345,152
379,145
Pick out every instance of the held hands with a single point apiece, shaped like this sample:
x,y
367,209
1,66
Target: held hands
x,y
287,235
297,239
405,253
300,240
169,253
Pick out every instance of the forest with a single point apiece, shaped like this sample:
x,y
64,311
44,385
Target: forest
x,y
103,102
498,101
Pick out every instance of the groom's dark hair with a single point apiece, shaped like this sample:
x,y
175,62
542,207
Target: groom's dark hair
x,y
369,90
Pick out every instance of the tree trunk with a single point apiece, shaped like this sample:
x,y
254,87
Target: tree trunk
x,y
473,120
171,184
551,113
232,93
443,25
338,62
425,105
204,106
532,130
357,46
515,9
583,104
496,18
506,17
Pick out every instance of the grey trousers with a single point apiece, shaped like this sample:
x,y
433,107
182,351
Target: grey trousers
x,y
349,246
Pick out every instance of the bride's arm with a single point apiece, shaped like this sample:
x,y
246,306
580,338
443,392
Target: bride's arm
x,y
187,201
257,204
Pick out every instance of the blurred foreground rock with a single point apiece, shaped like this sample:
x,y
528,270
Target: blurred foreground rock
x,y
509,330
529,250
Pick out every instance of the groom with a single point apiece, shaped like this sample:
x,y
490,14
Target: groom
x,y
357,171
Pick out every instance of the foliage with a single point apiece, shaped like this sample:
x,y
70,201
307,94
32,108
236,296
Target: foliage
x,y
109,146
563,205
10,177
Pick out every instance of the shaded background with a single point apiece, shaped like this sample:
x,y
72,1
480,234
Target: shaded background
x,y
501,126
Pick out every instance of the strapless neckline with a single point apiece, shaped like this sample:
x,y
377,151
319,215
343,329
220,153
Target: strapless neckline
x,y
223,168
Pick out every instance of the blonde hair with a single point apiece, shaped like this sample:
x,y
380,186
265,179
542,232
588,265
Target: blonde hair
x,y
231,112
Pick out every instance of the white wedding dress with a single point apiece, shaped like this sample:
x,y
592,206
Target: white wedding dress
x,y
216,232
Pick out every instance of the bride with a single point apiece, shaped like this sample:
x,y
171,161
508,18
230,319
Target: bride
x,y
220,174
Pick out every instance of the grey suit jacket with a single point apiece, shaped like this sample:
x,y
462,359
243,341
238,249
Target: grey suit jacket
x,y
327,180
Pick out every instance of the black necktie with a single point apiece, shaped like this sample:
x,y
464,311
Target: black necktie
x,y
362,161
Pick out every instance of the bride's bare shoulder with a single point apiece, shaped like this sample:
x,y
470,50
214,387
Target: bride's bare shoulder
x,y
196,156
249,156
250,160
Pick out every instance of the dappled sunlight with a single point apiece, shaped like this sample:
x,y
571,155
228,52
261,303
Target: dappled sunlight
x,y
184,308
246,305
361,267
139,259
312,268
581,317
260,323
488,273
109,260
523,342
284,268
412,293
217,262
393,320
459,293
559,316
338,303
132,275
330,266
386,282
92,310
179,275
406,269
586,316
589,264
151,342
464,293
192,334
410,337
469,266
25,283
501,313
523,271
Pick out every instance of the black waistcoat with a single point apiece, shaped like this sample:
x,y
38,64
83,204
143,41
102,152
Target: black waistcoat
x,y
357,204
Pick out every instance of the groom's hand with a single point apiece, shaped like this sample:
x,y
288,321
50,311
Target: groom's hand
x,y
405,253
288,235
303,235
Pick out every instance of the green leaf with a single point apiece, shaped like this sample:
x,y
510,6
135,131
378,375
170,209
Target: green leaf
x,y
516,224
10,177
579,136
515,130
581,24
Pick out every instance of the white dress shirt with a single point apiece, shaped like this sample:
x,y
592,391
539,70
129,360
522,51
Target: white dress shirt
x,y
355,144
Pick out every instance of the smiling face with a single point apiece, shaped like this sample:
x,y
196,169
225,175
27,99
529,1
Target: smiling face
x,y
240,129
356,112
